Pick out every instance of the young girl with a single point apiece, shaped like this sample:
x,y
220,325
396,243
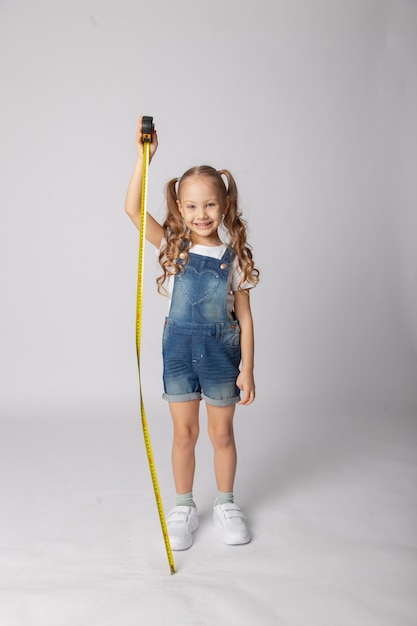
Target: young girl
x,y
208,333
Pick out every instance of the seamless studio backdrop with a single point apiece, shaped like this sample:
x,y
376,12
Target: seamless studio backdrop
x,y
311,105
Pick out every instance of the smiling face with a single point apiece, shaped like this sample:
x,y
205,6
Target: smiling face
x,y
202,208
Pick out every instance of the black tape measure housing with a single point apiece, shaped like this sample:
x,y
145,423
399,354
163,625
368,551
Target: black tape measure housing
x,y
147,128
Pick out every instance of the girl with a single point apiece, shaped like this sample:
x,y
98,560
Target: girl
x,y
208,332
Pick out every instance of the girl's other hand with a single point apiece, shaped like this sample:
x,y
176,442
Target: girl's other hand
x,y
246,384
139,140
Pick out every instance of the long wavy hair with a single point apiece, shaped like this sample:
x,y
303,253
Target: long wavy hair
x,y
178,238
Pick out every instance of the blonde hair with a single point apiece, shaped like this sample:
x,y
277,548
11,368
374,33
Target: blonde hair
x,y
178,238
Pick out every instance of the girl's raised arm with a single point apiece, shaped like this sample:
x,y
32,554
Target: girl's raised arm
x,y
154,230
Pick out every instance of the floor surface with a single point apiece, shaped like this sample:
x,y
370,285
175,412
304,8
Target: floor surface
x,y
331,503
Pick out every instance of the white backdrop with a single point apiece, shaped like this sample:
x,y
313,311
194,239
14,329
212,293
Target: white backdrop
x,y
310,104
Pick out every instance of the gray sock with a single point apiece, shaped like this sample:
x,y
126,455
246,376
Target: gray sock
x,y
185,499
224,497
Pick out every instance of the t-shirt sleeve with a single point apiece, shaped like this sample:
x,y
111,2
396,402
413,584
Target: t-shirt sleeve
x,y
237,276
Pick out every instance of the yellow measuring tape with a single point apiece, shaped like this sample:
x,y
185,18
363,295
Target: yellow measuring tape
x,y
147,126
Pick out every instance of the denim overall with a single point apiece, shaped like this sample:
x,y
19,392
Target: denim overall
x,y
201,345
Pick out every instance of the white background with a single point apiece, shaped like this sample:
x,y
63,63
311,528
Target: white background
x,y
311,105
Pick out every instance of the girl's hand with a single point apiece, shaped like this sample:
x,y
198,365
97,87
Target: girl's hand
x,y
246,384
139,141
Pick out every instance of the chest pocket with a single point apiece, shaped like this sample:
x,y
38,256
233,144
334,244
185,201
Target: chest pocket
x,y
198,286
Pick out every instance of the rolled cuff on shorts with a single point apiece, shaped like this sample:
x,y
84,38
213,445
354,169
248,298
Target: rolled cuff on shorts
x,y
222,401
196,395
182,397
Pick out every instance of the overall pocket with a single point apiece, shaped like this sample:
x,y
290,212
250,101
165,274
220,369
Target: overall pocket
x,y
231,335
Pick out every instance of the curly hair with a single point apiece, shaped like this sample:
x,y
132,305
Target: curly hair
x,y
177,238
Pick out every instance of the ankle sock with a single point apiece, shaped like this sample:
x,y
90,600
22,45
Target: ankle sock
x,y
185,499
224,497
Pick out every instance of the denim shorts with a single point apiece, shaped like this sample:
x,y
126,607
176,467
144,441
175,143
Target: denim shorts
x,y
201,361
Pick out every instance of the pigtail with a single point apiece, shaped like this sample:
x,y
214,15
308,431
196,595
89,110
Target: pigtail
x,y
237,232
176,237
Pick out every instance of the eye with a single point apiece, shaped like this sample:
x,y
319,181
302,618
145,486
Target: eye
x,y
211,204
190,206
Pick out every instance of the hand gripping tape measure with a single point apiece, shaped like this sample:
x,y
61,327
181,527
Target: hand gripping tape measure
x,y
147,128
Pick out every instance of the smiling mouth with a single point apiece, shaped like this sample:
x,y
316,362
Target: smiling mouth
x,y
203,224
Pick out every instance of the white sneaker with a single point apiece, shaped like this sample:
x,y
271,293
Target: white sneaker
x,y
231,522
182,521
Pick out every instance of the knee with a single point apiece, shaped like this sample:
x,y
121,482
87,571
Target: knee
x,y
185,437
221,438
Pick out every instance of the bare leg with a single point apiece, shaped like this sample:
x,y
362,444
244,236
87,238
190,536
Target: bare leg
x,y
186,430
220,427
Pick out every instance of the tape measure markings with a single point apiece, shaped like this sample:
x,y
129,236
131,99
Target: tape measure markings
x,y
147,127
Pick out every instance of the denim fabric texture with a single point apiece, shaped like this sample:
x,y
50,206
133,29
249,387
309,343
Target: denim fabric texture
x,y
201,345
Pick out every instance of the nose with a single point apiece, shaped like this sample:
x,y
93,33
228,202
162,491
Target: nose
x,y
201,211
